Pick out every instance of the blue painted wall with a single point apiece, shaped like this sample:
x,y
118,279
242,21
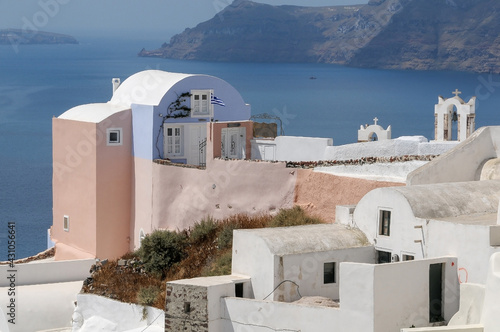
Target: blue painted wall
x,y
143,131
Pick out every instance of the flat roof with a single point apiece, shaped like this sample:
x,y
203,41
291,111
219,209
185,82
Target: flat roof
x,y
211,281
309,238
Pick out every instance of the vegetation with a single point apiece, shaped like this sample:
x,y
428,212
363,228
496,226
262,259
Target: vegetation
x,y
162,249
293,217
203,250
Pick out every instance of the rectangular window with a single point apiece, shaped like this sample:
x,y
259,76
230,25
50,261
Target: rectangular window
x,y
383,257
329,273
408,257
200,103
66,223
385,223
114,136
174,141
238,289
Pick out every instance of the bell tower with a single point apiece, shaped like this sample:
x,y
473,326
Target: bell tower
x,y
451,110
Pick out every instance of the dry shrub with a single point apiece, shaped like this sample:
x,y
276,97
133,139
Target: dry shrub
x,y
295,216
207,252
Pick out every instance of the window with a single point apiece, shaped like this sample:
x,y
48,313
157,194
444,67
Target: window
x,y
385,223
238,289
408,257
200,103
383,257
329,273
114,136
66,223
173,141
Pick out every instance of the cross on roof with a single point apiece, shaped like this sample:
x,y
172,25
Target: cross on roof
x,y
375,120
456,92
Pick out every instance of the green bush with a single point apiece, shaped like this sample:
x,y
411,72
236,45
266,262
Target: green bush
x,y
203,229
160,250
225,239
220,267
293,217
148,295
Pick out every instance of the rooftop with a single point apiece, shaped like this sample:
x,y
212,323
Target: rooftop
x,y
309,238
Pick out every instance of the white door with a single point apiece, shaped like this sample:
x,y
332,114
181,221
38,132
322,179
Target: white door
x,y
197,154
233,143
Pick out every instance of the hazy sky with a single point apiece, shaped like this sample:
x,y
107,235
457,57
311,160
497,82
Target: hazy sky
x,y
154,19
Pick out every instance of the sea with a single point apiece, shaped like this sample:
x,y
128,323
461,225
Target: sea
x,y
39,82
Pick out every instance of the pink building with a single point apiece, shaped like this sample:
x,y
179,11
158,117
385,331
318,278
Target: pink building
x,y
167,150
109,187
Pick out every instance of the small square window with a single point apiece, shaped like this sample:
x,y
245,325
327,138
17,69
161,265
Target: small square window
x,y
66,223
329,273
114,136
385,223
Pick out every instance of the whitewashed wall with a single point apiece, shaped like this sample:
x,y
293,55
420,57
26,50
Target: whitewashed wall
x,y
39,307
373,298
307,271
463,163
251,257
470,328
403,222
402,146
290,148
44,272
394,172
97,313
262,316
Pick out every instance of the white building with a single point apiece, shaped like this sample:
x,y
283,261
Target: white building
x,y
432,237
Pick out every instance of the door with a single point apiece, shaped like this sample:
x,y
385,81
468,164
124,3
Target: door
x,y
197,145
436,293
233,143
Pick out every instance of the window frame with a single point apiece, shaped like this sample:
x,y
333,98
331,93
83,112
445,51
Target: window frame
x,y
407,257
209,107
173,144
331,274
383,229
66,223
109,131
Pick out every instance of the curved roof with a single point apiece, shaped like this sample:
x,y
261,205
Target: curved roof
x,y
146,87
94,113
309,238
445,200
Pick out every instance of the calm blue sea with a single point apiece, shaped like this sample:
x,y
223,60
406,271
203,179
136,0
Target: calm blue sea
x,y
39,82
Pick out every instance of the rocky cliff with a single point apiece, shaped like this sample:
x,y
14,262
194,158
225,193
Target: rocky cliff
x,y
396,34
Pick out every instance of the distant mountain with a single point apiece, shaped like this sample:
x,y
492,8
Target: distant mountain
x,y
25,37
397,34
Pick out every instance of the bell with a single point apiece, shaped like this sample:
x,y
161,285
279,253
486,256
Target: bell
x,y
454,117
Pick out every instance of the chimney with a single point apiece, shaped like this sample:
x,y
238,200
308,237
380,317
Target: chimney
x,y
116,84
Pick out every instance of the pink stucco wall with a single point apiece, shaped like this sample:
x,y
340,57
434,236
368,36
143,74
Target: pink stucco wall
x,y
142,201
114,195
92,185
74,188
182,196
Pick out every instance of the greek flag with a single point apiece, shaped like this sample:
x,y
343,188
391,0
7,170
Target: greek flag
x,y
216,101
